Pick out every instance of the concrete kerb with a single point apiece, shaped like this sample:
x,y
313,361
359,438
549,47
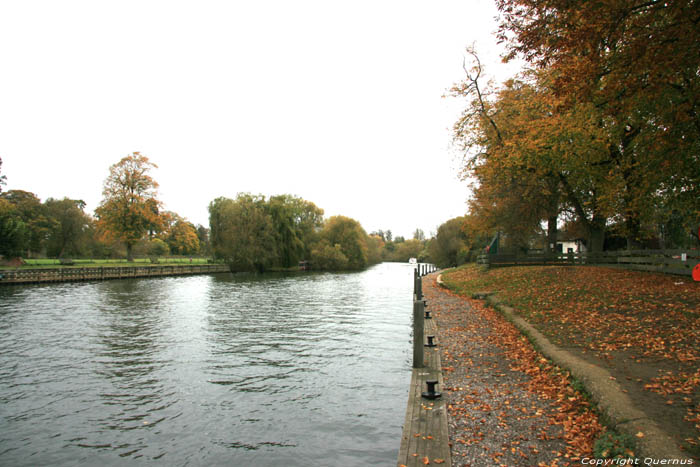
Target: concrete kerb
x,y
600,384
604,390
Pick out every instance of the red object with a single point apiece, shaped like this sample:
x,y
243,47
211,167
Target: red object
x,y
696,273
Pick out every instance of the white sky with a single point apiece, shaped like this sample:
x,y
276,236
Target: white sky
x,y
337,102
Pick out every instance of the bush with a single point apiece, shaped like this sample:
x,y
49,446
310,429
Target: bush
x,y
158,247
327,257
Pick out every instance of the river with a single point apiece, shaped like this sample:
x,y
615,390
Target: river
x,y
252,370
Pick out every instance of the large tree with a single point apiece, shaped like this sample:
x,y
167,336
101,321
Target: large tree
x,y
70,230
296,222
14,234
242,232
32,213
450,246
513,187
534,154
130,206
350,237
636,62
182,238
203,237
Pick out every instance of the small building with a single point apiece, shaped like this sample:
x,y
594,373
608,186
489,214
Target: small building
x,y
571,246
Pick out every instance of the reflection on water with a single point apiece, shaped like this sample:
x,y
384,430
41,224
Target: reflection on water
x,y
303,369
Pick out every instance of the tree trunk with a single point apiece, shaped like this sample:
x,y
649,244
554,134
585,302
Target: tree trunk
x,y
633,227
130,252
552,218
552,231
596,234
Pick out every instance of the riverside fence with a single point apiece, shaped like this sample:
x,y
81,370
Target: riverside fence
x,y
28,276
681,262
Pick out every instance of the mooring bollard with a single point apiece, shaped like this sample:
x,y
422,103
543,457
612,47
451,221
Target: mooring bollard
x,y
431,342
427,314
418,327
431,393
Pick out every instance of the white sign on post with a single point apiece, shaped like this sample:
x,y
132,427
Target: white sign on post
x,y
684,256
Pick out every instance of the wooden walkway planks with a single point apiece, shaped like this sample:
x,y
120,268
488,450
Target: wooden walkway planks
x,y
425,433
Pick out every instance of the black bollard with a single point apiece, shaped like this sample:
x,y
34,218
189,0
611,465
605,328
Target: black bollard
x,y
431,342
427,315
431,393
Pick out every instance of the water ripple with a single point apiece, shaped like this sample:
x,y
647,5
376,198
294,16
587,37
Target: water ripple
x,y
217,370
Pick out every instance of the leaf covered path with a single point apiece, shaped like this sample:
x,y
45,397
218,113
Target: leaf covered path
x,y
644,328
506,404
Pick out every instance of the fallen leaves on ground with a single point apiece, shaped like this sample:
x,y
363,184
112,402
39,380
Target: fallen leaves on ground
x,y
602,309
491,408
622,317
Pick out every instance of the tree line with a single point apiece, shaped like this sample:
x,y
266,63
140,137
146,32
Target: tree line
x,y
130,220
251,232
599,134
248,232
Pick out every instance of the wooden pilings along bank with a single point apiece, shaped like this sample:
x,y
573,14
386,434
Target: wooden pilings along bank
x,y
29,276
425,435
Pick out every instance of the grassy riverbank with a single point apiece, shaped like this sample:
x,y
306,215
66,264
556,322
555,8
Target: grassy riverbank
x,y
644,328
45,263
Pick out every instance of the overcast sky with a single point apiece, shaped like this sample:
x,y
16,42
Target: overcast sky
x,y
338,102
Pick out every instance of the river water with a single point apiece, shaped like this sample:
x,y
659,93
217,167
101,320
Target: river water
x,y
268,370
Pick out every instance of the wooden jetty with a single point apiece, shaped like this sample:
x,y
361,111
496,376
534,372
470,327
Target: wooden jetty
x,y
425,439
70,274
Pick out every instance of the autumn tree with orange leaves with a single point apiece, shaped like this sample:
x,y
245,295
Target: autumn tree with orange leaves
x,y
604,129
635,63
508,160
181,237
130,206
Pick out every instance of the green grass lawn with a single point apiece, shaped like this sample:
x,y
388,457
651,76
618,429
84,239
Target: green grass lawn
x,y
49,262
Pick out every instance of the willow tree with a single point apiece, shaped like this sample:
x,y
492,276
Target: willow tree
x,y
129,205
296,222
242,232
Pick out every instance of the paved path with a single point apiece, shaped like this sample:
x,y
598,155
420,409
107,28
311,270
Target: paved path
x,y
497,414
